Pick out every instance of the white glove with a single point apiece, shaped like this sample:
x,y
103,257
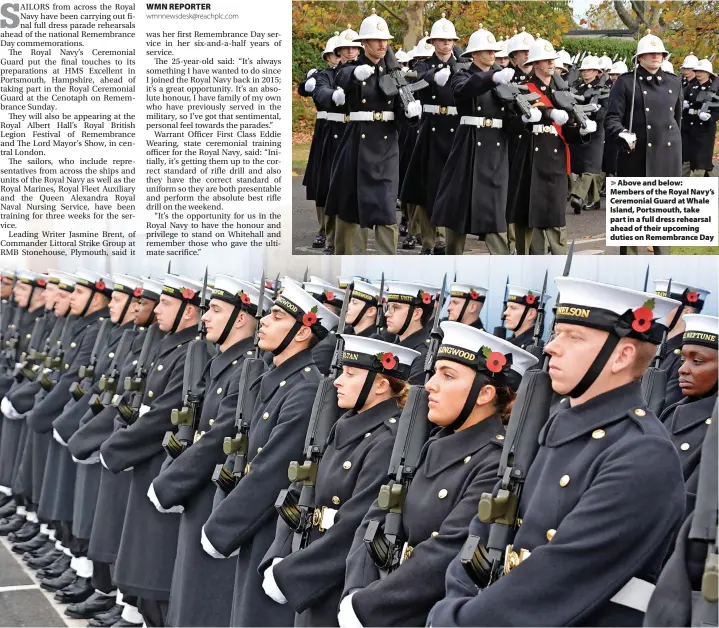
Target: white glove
x,y
347,617
704,116
102,462
310,85
535,115
629,140
692,112
590,128
270,585
58,438
8,410
338,97
405,69
503,76
414,109
156,502
686,104
311,72
595,106
559,116
92,459
442,76
363,72
207,546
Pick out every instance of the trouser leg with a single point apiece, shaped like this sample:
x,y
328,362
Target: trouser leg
x,y
386,239
321,219
454,241
686,169
101,578
522,238
330,229
497,243
345,233
154,612
557,240
581,186
662,250
698,173
427,230
413,226
511,239
628,250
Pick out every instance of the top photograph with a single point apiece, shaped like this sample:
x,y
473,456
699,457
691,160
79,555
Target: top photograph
x,y
487,127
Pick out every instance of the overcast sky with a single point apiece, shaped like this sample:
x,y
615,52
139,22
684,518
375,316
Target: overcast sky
x,y
580,7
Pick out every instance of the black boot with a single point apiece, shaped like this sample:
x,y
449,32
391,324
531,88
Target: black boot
x,y
122,623
55,584
592,206
28,531
94,605
55,569
43,561
440,248
8,510
576,204
319,241
33,544
78,591
108,618
5,499
11,524
427,252
410,243
403,227
41,551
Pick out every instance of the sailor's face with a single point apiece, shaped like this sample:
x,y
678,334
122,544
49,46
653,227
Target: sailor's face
x,y
51,291
589,75
348,53
355,307
117,304
62,302
166,311
332,59
544,68
483,57
144,311
503,61
651,61
22,293
215,319
572,351
688,73
520,57
376,48
698,370
349,385
274,327
512,315
78,299
396,314
448,389
6,288
442,46
702,76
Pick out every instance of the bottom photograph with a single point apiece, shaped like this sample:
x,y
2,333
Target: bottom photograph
x,y
373,442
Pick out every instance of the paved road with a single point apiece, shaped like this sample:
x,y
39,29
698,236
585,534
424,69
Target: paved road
x,y
588,229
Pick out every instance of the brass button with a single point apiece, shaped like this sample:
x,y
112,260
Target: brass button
x,y
550,534
266,416
442,494
111,354
708,421
178,346
67,366
467,459
435,533
249,353
347,464
219,390
283,382
640,412
159,368
307,369
134,362
368,434
259,449
234,362
28,335
684,446
500,436
150,394
598,434
73,345
336,500
393,420
212,421
564,480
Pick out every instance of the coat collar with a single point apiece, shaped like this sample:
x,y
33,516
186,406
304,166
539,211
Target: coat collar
x,y
689,414
569,423
222,360
650,78
174,341
417,339
524,338
83,323
370,331
271,380
352,427
478,324
447,448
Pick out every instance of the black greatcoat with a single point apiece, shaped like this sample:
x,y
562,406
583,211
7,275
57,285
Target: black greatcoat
x,y
670,362
201,593
365,177
434,141
687,423
353,468
538,195
472,196
588,157
455,469
701,134
114,489
524,339
146,556
657,124
245,520
310,178
606,487
686,91
56,498
333,132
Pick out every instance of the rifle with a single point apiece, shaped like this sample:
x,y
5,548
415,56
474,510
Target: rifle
x,y
13,337
394,81
227,475
568,101
108,381
386,543
298,513
39,357
29,359
654,381
128,406
703,532
501,330
709,100
537,346
88,371
519,95
485,563
379,322
193,389
646,279
53,362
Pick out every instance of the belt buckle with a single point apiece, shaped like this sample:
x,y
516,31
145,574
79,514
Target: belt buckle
x,y
512,558
347,117
488,122
377,116
547,129
317,517
247,468
443,110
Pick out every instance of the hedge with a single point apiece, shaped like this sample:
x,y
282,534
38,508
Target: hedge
x,y
601,45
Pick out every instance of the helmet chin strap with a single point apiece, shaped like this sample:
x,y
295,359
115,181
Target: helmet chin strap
x,y
407,320
522,318
125,310
178,317
364,393
479,381
597,366
228,325
288,338
367,305
88,302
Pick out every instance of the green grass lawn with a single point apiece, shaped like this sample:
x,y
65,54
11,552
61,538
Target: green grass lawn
x,y
695,250
300,153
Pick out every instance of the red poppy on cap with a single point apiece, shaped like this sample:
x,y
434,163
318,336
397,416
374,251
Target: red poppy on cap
x,y
426,298
309,319
642,319
496,361
137,292
188,293
245,298
389,361
329,296
692,297
530,299
474,295
41,282
100,285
